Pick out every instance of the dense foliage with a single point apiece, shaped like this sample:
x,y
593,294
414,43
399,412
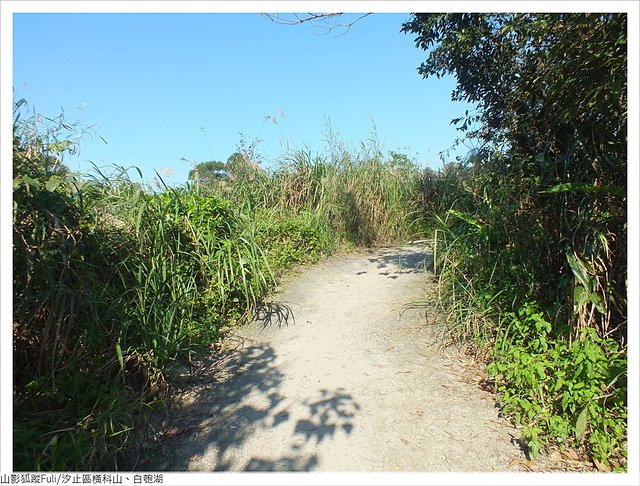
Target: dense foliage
x,y
111,284
535,218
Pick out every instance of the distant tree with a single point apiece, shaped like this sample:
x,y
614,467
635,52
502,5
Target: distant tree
x,y
239,166
206,172
244,164
401,161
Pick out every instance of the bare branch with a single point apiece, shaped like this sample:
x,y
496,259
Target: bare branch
x,y
296,19
320,20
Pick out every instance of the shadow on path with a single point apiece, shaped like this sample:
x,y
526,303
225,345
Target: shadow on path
x,y
395,262
207,431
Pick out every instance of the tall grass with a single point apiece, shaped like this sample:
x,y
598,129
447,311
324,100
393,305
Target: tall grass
x,y
363,197
66,409
114,282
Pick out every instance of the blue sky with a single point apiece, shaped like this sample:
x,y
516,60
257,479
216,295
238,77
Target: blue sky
x,y
160,88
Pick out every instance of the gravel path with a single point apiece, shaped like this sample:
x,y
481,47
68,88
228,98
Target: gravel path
x,y
334,376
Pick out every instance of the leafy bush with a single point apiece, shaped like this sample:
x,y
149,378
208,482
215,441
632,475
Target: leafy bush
x,y
68,412
569,393
530,228
291,239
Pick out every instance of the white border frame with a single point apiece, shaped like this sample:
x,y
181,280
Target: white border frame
x,y
9,7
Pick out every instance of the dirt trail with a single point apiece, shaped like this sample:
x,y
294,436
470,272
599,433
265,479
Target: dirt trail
x,y
334,377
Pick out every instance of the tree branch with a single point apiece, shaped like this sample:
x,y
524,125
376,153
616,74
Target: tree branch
x,y
320,20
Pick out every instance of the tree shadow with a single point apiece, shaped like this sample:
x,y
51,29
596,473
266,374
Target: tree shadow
x,y
329,413
283,464
209,424
394,262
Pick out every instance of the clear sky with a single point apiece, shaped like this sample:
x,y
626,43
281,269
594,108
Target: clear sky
x,y
160,88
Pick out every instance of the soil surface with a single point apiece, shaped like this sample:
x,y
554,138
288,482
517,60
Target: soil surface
x,y
338,373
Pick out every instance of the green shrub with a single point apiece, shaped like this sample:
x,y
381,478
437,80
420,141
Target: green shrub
x,y
568,393
68,410
291,239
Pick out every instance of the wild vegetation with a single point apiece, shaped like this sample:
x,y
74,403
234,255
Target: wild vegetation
x,y
114,281
530,229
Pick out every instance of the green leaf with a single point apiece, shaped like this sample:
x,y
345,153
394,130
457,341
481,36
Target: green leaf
x,y
31,182
566,397
465,217
599,303
53,183
534,448
585,187
579,296
577,267
60,146
581,424
119,355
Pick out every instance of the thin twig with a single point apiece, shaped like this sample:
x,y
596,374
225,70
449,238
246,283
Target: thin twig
x,y
317,20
